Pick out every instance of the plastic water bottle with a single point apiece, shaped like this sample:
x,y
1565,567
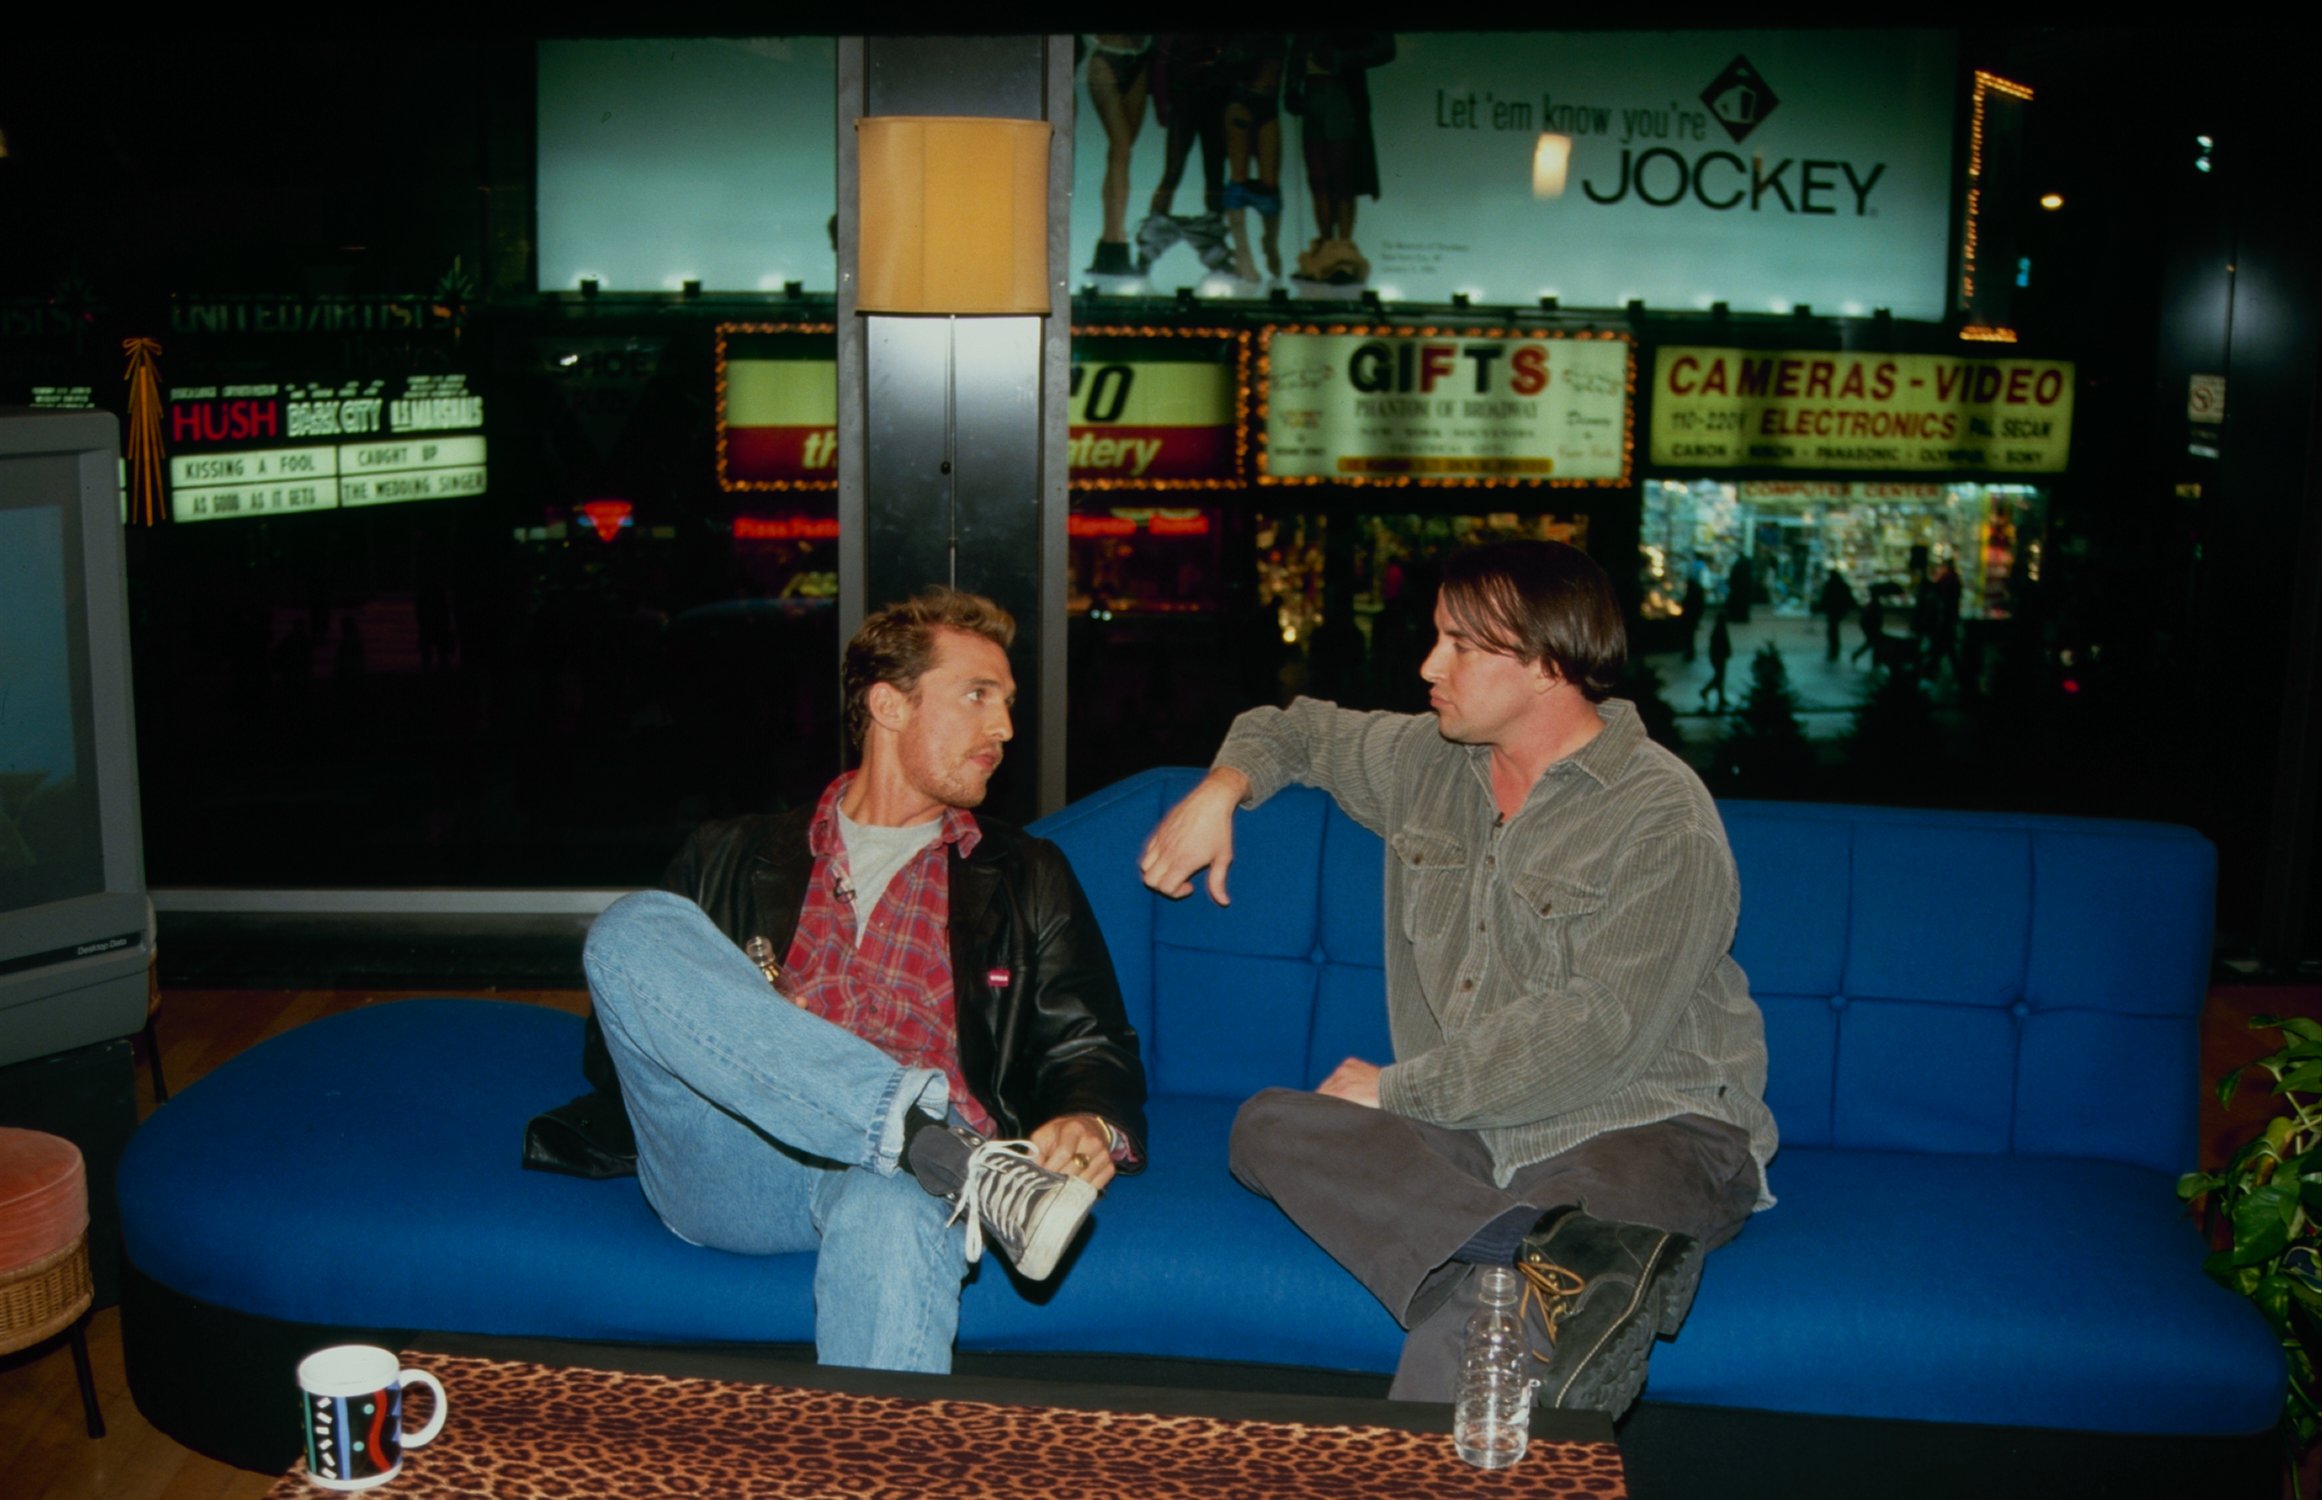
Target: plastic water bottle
x,y
1491,1418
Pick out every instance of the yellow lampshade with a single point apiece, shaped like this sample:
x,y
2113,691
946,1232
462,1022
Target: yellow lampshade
x,y
954,215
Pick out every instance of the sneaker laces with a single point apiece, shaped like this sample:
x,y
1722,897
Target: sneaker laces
x,y
1550,1291
1003,1178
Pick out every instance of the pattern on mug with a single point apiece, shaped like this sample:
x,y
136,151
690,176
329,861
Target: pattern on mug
x,y
354,1437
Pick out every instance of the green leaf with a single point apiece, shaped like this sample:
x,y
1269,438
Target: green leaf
x,y
2194,1184
2255,1154
2272,1296
2305,1077
2304,1028
2226,1086
2235,1278
2261,1224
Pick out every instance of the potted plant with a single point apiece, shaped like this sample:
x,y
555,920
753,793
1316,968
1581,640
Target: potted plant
x,y
2263,1209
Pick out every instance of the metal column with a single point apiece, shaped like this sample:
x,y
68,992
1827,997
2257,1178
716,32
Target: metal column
x,y
951,431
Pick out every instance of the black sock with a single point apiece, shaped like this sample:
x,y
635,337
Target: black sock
x,y
1497,1242
933,1153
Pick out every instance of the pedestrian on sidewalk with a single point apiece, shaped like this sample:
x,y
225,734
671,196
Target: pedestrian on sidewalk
x,y
1837,602
1720,652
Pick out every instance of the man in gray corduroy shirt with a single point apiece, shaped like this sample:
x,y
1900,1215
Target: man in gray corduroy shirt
x,y
1579,1074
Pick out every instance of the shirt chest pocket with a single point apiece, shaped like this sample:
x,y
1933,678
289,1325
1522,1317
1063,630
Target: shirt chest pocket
x,y
1548,918
1431,873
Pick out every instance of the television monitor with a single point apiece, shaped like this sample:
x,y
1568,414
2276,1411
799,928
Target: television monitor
x,y
75,928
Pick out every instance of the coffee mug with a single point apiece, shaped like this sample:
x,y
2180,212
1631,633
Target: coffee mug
x,y
352,1398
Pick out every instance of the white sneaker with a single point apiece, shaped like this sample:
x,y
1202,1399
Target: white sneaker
x,y
1030,1212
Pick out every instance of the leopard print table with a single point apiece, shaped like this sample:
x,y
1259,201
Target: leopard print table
x,y
529,1432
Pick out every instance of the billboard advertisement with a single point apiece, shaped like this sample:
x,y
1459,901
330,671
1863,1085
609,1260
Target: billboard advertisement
x,y
1683,168
1757,168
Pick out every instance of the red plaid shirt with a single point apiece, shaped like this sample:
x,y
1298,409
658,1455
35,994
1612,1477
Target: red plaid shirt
x,y
894,989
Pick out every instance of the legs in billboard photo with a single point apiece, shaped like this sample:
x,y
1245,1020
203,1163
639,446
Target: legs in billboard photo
x,y
1253,135
1117,86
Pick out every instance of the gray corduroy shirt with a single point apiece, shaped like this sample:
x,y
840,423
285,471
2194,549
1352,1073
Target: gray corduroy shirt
x,y
1555,976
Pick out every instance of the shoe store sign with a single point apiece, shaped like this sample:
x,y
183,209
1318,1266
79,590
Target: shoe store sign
x,y
1151,408
1456,406
1788,409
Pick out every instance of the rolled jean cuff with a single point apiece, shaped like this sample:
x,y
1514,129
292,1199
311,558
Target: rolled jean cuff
x,y
923,1089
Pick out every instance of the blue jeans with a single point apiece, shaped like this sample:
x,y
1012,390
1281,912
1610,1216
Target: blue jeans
x,y
763,1129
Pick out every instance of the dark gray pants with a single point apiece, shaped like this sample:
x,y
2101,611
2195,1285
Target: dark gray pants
x,y
1393,1199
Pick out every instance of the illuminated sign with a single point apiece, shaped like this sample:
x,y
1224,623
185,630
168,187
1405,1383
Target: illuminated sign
x,y
608,517
237,450
777,399
1752,408
1987,223
1754,167
785,529
1122,522
354,314
1151,408
1464,406
1156,408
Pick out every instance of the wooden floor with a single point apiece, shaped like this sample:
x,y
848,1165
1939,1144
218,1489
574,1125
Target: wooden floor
x,y
45,1454
45,1451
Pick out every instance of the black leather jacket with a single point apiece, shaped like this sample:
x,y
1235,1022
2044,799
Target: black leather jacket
x,y
1051,1039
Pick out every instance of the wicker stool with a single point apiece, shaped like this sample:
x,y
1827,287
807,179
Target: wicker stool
x,y
44,1252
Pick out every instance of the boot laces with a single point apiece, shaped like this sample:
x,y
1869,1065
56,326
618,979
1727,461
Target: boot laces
x,y
1551,1292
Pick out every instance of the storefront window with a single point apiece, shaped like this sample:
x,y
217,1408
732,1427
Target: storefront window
x,y
1881,537
1183,617
1351,595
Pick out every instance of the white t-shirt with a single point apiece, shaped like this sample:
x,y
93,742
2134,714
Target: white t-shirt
x,y
874,857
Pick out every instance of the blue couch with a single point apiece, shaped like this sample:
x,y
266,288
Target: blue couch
x,y
1983,1033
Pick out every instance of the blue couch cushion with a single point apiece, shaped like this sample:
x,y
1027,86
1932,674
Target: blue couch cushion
x,y
363,1169
1264,1005
1940,913
429,1221
1185,1262
2011,1290
1796,882
1993,982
